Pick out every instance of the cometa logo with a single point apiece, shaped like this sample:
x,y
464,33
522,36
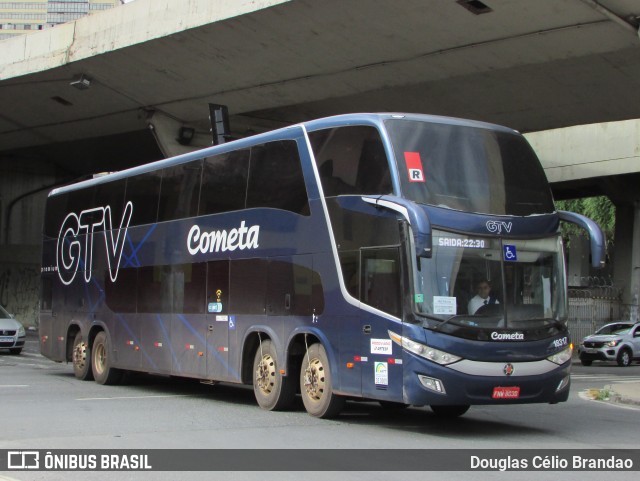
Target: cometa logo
x,y
503,336
76,240
221,240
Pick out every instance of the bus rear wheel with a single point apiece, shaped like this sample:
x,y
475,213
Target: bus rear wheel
x,y
273,391
81,357
103,372
315,384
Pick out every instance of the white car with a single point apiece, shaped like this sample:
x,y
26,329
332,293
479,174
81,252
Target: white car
x,y
617,341
12,334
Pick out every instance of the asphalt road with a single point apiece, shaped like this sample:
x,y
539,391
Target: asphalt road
x,y
44,407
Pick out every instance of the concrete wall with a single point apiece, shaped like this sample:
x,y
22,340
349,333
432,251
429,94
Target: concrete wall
x,y
23,192
20,291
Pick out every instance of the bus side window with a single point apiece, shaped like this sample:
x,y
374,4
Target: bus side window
x,y
293,289
350,263
179,191
152,283
374,176
120,296
351,160
189,281
248,285
380,284
275,178
112,194
224,182
144,191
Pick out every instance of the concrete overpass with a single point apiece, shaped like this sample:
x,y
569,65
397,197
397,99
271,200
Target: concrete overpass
x,y
533,66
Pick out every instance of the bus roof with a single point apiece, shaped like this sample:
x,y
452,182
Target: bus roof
x,y
375,119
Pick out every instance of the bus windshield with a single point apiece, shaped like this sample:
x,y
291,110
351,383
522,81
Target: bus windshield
x,y
492,282
470,169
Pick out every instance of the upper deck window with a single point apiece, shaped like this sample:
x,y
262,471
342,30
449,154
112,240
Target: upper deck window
x,y
469,169
351,161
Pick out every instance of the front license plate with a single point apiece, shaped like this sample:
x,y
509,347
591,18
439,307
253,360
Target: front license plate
x,y
6,339
506,392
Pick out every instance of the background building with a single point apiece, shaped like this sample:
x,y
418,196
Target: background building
x,y
17,18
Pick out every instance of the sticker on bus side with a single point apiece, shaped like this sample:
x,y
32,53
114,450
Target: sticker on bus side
x,y
381,346
414,166
381,371
214,307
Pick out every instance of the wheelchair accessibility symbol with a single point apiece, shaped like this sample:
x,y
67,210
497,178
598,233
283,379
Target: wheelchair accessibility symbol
x,y
509,252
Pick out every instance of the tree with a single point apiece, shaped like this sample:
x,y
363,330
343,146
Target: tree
x,y
600,209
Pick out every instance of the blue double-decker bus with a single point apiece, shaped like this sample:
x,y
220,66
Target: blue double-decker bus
x,y
408,259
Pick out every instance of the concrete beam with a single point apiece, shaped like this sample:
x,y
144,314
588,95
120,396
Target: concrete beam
x,y
115,29
587,151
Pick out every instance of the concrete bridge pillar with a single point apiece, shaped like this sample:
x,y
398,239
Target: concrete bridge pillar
x,y
626,266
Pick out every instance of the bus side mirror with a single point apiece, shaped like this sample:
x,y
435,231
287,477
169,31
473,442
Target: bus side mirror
x,y
596,236
415,215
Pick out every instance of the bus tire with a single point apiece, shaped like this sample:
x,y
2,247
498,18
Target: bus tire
x,y
81,358
316,386
273,391
103,372
450,411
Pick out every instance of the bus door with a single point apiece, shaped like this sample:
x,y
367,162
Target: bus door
x,y
380,288
219,321
155,313
189,320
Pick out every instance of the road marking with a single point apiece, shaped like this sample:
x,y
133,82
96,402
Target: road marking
x,y
14,385
131,397
604,377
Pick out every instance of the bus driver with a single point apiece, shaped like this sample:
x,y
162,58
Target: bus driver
x,y
482,298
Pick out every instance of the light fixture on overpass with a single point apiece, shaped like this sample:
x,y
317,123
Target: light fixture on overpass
x,y
185,135
81,82
475,6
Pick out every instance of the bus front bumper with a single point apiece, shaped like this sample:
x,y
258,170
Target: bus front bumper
x,y
476,382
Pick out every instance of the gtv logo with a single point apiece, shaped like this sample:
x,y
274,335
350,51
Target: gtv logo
x,y
496,227
71,250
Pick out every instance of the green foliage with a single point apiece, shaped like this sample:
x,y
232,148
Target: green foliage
x,y
600,209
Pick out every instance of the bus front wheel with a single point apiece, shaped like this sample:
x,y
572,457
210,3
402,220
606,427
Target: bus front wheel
x,y
103,372
273,391
315,384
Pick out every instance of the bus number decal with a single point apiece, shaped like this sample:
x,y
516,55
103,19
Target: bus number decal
x,y
71,251
561,342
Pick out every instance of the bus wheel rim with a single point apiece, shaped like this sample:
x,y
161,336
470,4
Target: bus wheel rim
x,y
266,374
315,380
80,355
100,358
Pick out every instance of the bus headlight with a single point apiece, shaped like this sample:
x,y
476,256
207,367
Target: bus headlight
x,y
432,354
561,357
